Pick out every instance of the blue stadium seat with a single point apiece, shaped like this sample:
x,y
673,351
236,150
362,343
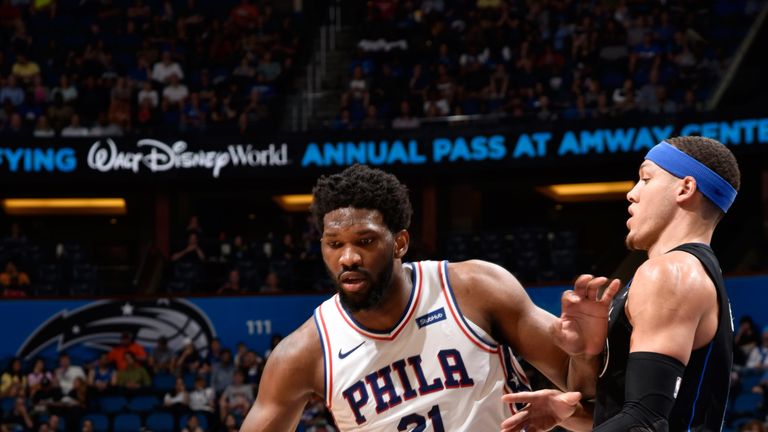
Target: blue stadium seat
x,y
100,422
143,404
126,423
160,422
7,403
112,404
163,382
747,403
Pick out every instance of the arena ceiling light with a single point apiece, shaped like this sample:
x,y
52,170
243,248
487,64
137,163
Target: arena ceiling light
x,y
64,206
580,192
294,203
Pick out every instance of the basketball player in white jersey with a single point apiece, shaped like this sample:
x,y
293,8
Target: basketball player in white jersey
x,y
406,346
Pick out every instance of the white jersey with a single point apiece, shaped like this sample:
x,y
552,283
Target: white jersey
x,y
433,371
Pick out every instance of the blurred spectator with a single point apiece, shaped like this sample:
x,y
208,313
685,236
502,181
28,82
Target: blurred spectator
x,y
18,418
102,377
244,15
24,70
188,360
120,104
175,92
59,114
746,339
47,396
87,426
67,373
753,426
43,129
177,400
10,91
202,399
241,350
147,93
75,129
166,68
371,120
132,378
758,356
232,285
15,283
236,398
190,253
194,114
193,425
65,89
230,423
213,356
37,375
13,382
104,127
127,344
405,120
15,126
222,373
271,284
161,358
251,366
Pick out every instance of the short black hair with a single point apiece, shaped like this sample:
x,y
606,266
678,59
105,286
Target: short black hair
x,y
713,154
362,187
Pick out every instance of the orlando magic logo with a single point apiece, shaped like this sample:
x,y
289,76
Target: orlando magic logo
x,y
98,326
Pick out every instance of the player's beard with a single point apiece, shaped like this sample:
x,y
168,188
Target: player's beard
x,y
374,295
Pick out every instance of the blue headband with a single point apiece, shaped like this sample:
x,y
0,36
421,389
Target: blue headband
x,y
680,165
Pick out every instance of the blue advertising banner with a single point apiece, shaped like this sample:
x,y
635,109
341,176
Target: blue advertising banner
x,y
185,158
84,328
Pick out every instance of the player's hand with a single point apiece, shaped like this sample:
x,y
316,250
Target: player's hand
x,y
546,409
583,324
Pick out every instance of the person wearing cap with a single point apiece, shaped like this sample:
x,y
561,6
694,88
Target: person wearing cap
x,y
663,355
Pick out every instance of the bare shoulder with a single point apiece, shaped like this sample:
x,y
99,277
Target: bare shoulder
x,y
298,358
674,273
477,276
487,293
675,281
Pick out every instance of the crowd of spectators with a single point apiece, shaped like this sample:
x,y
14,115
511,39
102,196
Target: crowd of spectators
x,y
75,68
239,264
749,381
207,389
537,60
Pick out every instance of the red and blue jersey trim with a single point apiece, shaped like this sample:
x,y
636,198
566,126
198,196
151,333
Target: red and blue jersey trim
x,y
445,285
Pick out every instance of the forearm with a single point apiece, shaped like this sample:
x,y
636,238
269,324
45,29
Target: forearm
x,y
582,374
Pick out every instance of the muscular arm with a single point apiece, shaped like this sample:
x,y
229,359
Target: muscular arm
x,y
493,299
672,307
293,372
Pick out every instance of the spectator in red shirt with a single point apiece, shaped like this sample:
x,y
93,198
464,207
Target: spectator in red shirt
x,y
117,354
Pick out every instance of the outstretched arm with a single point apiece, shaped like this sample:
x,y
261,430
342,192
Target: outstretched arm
x,y
294,371
582,328
493,299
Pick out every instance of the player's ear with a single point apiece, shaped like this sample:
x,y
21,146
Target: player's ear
x,y
688,188
402,239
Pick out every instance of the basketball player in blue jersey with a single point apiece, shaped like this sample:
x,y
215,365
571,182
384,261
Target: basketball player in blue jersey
x,y
406,346
668,354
